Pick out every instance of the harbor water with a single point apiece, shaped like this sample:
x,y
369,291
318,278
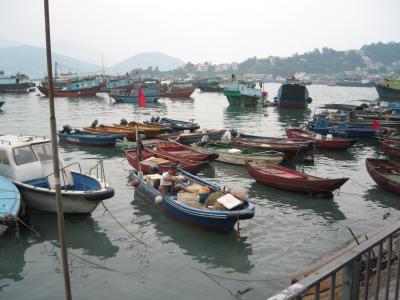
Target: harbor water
x,y
161,258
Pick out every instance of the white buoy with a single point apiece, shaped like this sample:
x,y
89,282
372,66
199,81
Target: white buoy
x,y
158,199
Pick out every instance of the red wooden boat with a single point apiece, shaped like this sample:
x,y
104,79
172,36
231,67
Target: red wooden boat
x,y
292,151
181,90
321,143
179,151
163,163
385,173
277,176
87,92
390,147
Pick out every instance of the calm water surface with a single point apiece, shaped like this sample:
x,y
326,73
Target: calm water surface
x,y
288,233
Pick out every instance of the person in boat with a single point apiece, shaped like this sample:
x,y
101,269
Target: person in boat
x,y
169,182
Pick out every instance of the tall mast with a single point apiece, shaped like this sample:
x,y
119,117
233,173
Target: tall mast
x,y
60,214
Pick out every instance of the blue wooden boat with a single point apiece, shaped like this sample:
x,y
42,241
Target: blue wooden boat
x,y
350,132
293,94
89,139
199,215
151,93
175,125
10,204
322,127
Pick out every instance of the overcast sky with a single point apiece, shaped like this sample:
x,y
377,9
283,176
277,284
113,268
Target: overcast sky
x,y
205,30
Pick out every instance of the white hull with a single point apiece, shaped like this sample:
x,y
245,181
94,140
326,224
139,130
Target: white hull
x,y
3,229
74,202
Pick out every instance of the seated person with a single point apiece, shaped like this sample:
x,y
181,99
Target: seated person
x,y
169,182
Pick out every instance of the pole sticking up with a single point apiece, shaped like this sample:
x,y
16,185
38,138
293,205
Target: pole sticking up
x,y
60,214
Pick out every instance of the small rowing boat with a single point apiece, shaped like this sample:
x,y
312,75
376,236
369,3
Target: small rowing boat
x,y
179,151
235,156
89,138
280,177
152,160
150,131
391,147
129,133
321,141
207,207
10,204
385,173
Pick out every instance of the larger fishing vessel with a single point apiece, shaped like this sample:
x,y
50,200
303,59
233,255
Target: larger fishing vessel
x,y
242,93
389,89
89,86
14,83
293,94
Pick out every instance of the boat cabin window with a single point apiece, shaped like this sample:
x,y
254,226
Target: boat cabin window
x,y
43,151
4,158
24,155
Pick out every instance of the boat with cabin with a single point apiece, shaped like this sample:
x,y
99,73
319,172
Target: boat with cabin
x,y
80,87
211,84
28,164
293,94
179,90
10,201
389,89
242,93
18,83
206,206
150,89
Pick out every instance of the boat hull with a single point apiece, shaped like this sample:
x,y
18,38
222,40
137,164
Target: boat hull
x,y
88,92
323,143
387,93
96,140
74,202
8,88
237,99
195,137
372,168
236,159
179,93
291,180
10,204
220,221
347,132
391,148
184,152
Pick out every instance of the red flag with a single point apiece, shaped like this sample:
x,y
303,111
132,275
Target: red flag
x,y
142,98
376,124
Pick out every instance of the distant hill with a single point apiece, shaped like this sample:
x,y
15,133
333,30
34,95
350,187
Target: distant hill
x,y
31,60
148,59
379,57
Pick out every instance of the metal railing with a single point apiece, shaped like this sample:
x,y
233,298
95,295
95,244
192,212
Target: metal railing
x,y
98,169
370,270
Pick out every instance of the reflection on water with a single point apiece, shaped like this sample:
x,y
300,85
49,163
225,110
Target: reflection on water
x,y
85,235
326,208
289,230
214,250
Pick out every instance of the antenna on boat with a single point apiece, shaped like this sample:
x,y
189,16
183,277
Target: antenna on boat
x,y
60,214
102,61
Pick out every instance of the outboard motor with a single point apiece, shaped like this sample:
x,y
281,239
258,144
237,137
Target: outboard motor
x,y
66,129
234,132
157,119
123,122
94,123
154,170
152,120
226,137
309,100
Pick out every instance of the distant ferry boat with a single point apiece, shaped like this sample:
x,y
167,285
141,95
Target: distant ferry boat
x,y
293,94
78,87
15,83
242,93
355,83
389,90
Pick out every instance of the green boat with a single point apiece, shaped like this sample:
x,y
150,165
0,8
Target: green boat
x,y
232,155
242,94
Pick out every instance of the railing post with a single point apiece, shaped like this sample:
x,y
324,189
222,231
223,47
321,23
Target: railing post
x,y
351,280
